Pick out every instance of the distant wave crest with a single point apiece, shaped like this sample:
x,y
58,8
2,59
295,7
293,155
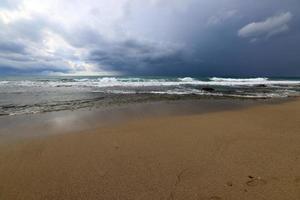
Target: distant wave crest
x,y
187,79
259,79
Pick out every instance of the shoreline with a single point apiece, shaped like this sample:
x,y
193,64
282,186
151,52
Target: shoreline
x,y
243,151
90,118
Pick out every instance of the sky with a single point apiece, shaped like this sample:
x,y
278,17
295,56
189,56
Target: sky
x,y
150,37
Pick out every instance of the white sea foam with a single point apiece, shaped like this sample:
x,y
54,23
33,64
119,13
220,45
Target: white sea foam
x,y
123,82
187,79
4,82
146,82
217,79
179,92
82,80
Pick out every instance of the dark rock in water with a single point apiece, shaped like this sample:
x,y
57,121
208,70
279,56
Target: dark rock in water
x,y
261,86
208,89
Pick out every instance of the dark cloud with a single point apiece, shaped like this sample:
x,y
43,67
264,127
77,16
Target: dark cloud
x,y
192,37
135,57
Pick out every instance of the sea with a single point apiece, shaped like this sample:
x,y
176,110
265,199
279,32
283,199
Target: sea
x,y
38,94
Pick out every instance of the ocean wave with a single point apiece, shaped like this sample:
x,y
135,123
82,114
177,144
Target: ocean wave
x,y
187,79
4,82
104,82
32,96
259,79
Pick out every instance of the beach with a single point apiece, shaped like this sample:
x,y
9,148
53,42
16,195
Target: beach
x,y
240,152
149,100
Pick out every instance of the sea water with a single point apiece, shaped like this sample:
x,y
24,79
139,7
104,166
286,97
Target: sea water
x,y
35,94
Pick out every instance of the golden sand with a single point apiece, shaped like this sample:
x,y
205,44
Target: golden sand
x,y
251,153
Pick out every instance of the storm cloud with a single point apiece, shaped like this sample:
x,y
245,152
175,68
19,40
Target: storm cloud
x,y
150,37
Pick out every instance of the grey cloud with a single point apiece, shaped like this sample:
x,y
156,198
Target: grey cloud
x,y
135,56
21,47
267,28
9,46
195,37
30,66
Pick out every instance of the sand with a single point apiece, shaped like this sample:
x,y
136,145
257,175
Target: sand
x,y
249,153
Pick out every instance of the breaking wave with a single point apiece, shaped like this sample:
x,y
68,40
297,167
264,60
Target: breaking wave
x,y
44,94
238,79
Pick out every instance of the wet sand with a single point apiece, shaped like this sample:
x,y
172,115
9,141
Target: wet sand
x,y
252,152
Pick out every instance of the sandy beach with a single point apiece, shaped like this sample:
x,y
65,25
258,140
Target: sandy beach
x,y
250,153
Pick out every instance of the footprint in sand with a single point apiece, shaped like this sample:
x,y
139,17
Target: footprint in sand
x,y
255,181
229,183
